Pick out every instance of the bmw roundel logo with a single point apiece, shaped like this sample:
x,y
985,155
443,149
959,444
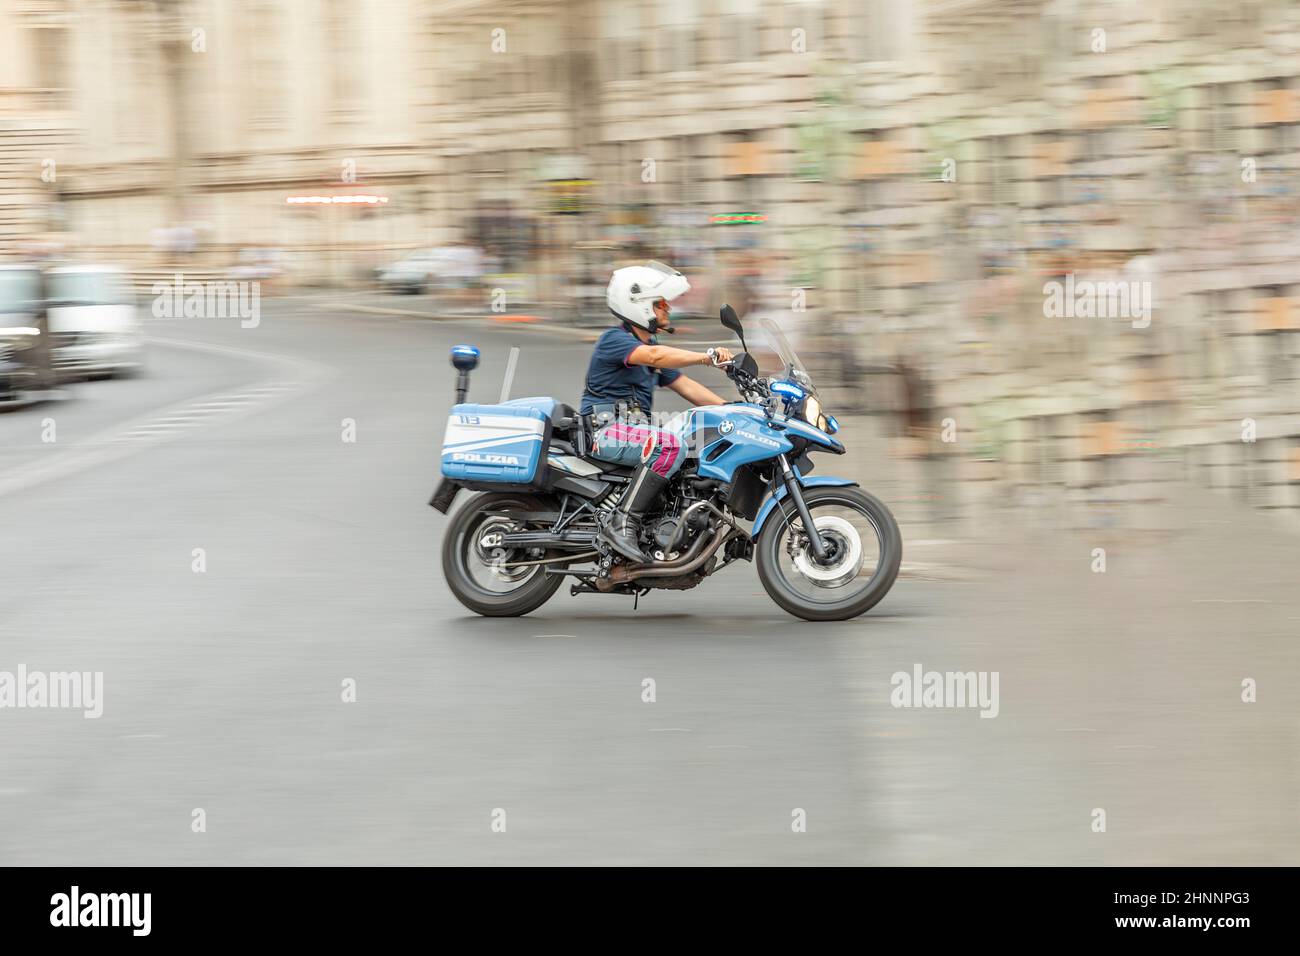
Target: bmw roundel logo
x,y
726,427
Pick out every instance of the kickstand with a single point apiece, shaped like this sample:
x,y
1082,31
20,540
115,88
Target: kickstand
x,y
636,599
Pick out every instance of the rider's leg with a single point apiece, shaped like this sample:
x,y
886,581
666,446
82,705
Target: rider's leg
x,y
661,457
619,443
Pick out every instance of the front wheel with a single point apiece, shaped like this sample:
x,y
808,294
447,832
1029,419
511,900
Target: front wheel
x,y
864,550
486,578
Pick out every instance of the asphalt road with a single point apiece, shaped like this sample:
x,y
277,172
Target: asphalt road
x,y
223,689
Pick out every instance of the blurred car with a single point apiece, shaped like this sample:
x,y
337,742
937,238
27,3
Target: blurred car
x,y
418,272
260,265
94,326
24,342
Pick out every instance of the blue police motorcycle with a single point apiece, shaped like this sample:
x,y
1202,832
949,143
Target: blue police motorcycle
x,y
826,550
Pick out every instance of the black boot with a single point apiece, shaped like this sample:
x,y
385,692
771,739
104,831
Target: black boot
x,y
622,530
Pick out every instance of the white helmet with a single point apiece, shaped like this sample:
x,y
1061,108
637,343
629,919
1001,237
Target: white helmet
x,y
634,290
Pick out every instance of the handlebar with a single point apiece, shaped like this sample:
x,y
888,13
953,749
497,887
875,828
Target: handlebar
x,y
748,385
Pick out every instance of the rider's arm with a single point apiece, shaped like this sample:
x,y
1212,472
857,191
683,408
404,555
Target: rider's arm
x,y
695,393
665,356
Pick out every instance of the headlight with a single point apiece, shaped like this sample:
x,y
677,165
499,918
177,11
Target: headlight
x,y
812,410
18,337
814,416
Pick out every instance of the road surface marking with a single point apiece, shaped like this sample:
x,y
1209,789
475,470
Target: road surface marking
x,y
158,426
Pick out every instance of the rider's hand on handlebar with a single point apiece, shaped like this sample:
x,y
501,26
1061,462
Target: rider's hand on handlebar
x,y
720,356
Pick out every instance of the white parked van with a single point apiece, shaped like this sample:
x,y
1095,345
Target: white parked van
x,y
94,327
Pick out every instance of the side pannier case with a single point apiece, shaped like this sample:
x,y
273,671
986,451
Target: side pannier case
x,y
487,446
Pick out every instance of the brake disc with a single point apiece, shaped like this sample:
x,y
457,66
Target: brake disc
x,y
846,562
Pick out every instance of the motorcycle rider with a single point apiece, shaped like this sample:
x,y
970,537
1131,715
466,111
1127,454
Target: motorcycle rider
x,y
628,363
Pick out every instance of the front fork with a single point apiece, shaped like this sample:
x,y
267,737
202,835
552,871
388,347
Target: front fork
x,y
795,492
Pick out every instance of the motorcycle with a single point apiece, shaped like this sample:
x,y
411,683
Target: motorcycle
x,y
826,550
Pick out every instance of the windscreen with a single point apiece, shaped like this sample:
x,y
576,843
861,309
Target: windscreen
x,y
20,290
775,339
89,288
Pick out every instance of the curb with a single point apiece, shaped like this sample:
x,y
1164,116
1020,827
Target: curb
x,y
514,322
933,571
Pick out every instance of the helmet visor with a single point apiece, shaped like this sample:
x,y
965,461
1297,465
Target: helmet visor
x,y
671,284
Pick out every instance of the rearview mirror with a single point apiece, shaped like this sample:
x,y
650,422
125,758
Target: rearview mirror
x,y
730,319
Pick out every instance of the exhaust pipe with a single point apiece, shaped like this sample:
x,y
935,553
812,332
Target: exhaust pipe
x,y
699,552
683,523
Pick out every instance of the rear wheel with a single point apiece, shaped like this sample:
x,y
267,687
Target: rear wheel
x,y
864,550
485,577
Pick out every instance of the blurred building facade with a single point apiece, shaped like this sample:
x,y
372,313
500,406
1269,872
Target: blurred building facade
x,y
202,117
913,175
898,178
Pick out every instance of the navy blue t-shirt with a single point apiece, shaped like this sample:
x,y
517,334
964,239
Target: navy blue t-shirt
x,y
611,379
